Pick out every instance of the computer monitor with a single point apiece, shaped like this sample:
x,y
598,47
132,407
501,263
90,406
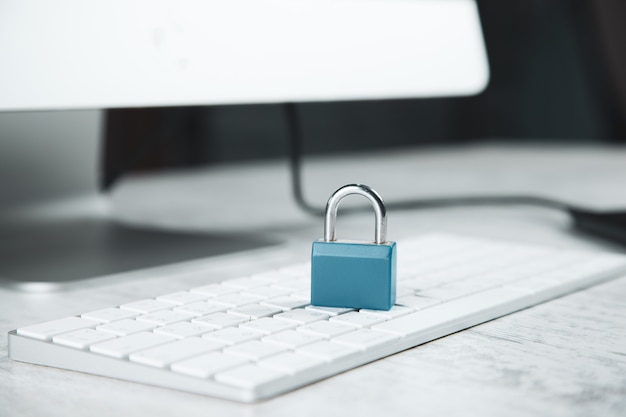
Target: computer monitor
x,y
63,61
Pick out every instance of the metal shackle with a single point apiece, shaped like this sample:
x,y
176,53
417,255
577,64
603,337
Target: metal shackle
x,y
380,212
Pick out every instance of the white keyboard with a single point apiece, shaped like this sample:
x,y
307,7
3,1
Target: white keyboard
x,y
256,337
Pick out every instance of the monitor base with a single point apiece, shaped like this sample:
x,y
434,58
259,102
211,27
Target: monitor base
x,y
54,254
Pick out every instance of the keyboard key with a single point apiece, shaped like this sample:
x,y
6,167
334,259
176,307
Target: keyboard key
x,y
291,339
421,283
47,330
233,335
291,363
303,269
254,350
358,319
201,308
286,303
416,302
236,300
247,283
221,320
249,376
301,316
182,297
328,351
326,328
183,329
394,312
269,325
305,296
296,285
267,292
449,291
108,315
214,290
254,311
331,311
146,306
82,339
493,279
205,366
277,275
123,346
364,339
402,291
165,317
125,327
162,356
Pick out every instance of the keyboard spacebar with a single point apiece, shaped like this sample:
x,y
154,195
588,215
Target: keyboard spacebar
x,y
458,314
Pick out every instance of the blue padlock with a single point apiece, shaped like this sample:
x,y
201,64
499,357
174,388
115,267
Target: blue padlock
x,y
354,274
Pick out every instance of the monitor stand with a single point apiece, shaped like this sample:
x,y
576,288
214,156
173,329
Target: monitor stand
x,y
56,228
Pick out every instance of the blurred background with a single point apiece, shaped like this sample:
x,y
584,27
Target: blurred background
x,y
549,124
558,74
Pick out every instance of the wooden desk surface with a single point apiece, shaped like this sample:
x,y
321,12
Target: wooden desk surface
x,y
566,357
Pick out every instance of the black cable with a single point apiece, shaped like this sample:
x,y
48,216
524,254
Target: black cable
x,y
295,163
294,137
609,225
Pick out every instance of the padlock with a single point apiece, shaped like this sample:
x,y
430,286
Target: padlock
x,y
351,273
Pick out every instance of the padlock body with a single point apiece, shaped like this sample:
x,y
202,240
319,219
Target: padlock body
x,y
353,274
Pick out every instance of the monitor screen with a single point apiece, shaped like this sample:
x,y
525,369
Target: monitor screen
x,y
71,54
82,56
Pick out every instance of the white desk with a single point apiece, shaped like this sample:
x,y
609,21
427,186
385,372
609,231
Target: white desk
x,y
563,358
